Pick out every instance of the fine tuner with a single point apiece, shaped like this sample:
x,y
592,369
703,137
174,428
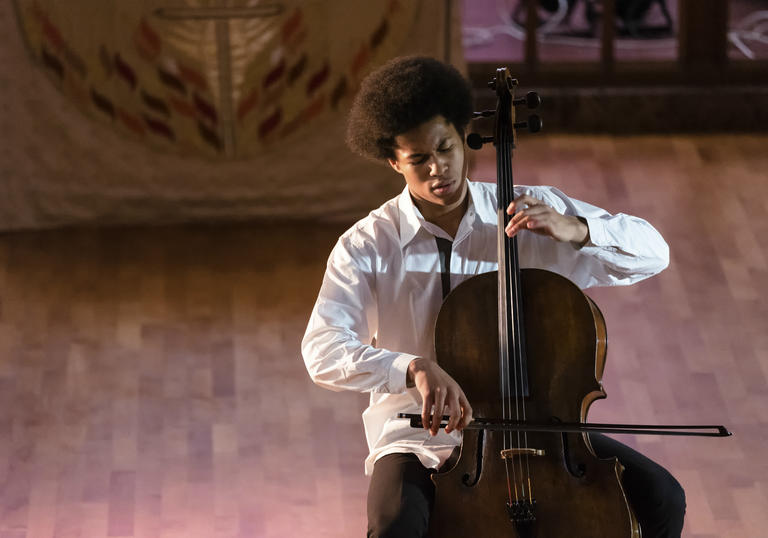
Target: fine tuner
x,y
533,124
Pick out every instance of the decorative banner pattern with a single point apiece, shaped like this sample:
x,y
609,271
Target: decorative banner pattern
x,y
162,79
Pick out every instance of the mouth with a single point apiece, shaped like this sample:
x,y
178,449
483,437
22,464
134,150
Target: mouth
x,y
442,187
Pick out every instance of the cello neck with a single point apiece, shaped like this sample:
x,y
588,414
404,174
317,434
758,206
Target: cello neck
x,y
513,372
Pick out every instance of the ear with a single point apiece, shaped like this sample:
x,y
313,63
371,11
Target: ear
x,y
395,165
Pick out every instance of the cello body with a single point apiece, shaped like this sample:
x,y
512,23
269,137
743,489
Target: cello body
x,y
528,349
572,492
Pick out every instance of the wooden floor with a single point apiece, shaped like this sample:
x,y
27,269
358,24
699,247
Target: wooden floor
x,y
151,383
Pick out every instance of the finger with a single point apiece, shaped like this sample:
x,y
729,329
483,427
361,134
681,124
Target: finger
x,y
454,410
517,223
526,200
437,414
517,206
519,215
514,227
542,222
535,211
466,412
520,202
538,217
426,409
519,220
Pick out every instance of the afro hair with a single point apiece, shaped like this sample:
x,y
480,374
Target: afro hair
x,y
402,94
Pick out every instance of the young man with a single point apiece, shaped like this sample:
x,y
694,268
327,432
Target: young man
x,y
372,327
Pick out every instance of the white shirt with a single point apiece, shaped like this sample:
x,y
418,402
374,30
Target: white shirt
x,y
383,282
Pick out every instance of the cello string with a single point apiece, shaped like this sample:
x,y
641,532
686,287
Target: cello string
x,y
509,488
502,317
518,339
504,366
509,370
503,332
519,351
510,271
511,282
503,327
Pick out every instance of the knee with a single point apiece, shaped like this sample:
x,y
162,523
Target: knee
x,y
661,507
670,496
676,497
655,486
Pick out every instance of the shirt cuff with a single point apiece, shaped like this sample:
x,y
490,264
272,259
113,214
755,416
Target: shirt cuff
x,y
398,372
597,235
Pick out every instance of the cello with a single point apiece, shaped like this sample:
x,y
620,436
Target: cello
x,y
528,348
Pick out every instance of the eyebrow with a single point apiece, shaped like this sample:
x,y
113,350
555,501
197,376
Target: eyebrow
x,y
420,155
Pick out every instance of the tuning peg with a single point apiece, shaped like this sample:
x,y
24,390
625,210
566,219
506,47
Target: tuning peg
x,y
533,124
483,114
531,100
476,141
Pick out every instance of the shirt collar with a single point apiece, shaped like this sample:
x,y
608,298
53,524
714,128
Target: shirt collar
x,y
411,219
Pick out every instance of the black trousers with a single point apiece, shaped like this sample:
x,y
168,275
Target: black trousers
x,y
401,493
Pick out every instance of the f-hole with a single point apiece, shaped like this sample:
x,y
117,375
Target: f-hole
x,y
468,479
577,470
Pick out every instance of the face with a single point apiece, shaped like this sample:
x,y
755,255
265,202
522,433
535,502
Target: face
x,y
431,158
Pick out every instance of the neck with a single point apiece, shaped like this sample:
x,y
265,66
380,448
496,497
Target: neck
x,y
447,218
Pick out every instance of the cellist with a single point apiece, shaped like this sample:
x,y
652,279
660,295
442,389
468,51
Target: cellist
x,y
372,327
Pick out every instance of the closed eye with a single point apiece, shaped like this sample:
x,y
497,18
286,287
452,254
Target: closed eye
x,y
421,159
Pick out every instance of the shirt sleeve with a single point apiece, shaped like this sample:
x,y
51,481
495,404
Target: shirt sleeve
x,y
621,249
336,346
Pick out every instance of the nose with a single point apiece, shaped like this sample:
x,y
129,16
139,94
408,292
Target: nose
x,y
436,166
